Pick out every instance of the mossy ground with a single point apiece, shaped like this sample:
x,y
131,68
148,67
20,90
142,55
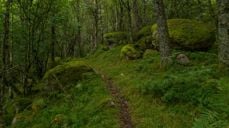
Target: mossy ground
x,y
148,110
183,96
86,105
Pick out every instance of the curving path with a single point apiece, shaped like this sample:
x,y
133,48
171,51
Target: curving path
x,y
120,102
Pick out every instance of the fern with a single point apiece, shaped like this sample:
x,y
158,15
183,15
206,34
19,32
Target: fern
x,y
210,119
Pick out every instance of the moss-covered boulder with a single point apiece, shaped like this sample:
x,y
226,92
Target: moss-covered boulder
x,y
188,34
69,72
145,43
144,32
129,52
115,38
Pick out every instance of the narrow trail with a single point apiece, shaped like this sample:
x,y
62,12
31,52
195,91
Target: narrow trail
x,y
120,102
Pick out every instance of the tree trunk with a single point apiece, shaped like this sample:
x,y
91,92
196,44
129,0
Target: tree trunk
x,y
53,42
5,58
137,17
79,38
223,31
96,25
163,34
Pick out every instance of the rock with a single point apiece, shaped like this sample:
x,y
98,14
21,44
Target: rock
x,y
144,32
188,34
129,52
182,59
115,38
62,75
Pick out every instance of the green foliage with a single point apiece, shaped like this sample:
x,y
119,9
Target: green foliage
x,y
130,52
85,105
185,88
189,34
210,119
38,104
190,90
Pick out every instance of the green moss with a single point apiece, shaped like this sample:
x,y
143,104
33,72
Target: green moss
x,y
150,53
189,34
130,52
145,43
144,32
115,38
67,73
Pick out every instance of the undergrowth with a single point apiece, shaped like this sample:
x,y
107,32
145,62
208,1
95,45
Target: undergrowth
x,y
85,105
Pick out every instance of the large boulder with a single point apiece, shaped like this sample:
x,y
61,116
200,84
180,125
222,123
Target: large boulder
x,y
115,38
129,52
143,32
143,38
70,72
182,59
188,34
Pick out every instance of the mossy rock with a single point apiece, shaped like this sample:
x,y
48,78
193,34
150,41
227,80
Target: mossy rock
x,y
144,32
188,34
115,38
129,52
67,73
145,43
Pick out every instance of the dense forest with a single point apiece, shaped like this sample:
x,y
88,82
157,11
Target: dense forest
x,y
114,64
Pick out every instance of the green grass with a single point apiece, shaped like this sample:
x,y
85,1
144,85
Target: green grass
x,y
174,109
85,105
192,96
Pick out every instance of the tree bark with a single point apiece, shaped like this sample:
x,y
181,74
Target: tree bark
x,y
53,42
5,58
137,17
163,34
223,31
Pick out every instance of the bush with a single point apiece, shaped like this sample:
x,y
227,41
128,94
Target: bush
x,y
188,34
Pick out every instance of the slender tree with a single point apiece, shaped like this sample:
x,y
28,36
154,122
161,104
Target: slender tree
x,y
223,31
163,34
6,61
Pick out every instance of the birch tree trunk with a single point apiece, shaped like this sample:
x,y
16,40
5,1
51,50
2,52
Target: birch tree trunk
x,y
223,31
163,34
5,58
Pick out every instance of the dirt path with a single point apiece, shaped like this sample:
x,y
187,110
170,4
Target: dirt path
x,y
120,102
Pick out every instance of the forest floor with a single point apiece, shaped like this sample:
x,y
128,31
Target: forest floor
x,y
137,93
